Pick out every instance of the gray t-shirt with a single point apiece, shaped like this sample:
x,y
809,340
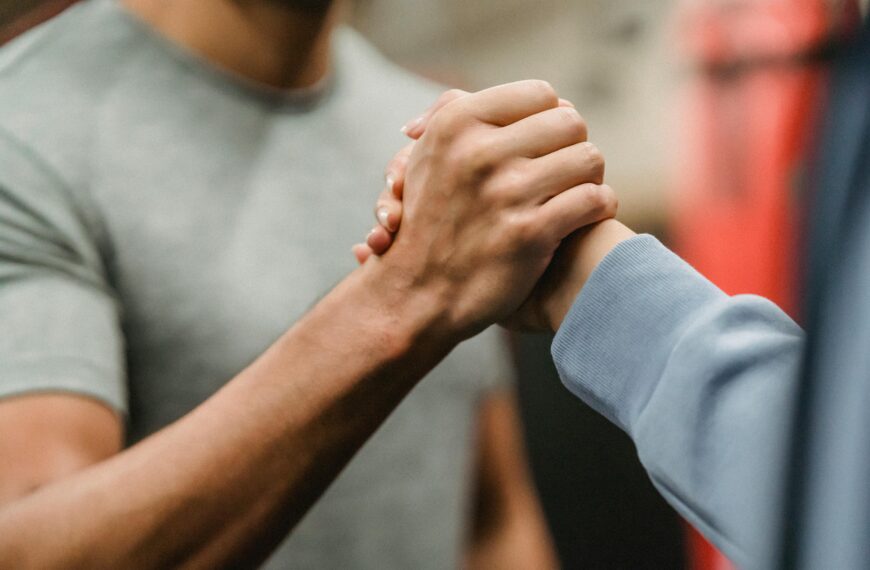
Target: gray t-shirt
x,y
162,222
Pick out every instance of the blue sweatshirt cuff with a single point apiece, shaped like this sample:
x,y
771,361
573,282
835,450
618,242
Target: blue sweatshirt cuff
x,y
623,325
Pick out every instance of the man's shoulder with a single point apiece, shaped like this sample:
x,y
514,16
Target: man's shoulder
x,y
54,77
66,59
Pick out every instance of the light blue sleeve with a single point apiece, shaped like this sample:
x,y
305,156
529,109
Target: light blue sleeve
x,y
704,384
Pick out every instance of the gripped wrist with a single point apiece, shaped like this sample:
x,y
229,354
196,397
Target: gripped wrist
x,y
585,251
415,317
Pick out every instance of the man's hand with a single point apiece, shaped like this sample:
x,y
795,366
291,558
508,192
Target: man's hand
x,y
561,159
388,211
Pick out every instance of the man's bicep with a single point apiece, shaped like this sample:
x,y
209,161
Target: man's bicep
x,y
62,376
62,371
46,437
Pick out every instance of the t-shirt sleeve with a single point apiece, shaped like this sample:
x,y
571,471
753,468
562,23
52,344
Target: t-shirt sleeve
x,y
59,319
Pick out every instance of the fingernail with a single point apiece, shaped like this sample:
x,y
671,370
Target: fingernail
x,y
411,125
370,237
565,103
384,218
391,182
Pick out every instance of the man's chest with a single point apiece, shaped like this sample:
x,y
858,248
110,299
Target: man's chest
x,y
229,247
216,249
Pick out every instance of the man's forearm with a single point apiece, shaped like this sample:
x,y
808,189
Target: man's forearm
x,y
222,486
519,540
509,529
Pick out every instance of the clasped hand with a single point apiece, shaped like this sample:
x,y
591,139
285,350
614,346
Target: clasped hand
x,y
492,184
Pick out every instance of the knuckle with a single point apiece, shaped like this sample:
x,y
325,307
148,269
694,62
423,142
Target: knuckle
x,y
611,201
513,180
448,123
450,95
543,89
397,164
477,156
573,122
595,197
517,226
388,196
613,208
526,230
594,157
602,199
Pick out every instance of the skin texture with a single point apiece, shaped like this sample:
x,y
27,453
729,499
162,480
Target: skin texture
x,y
576,258
69,433
223,485
575,261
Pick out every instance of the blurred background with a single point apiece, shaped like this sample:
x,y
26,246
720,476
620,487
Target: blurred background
x,y
706,111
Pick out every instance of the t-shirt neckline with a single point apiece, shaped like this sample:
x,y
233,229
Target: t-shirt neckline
x,y
305,98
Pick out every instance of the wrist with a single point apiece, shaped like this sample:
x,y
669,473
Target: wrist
x,y
586,249
410,317
373,320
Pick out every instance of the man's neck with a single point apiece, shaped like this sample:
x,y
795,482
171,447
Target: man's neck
x,y
261,40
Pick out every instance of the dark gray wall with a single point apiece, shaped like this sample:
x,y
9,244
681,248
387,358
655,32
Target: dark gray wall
x,y
603,511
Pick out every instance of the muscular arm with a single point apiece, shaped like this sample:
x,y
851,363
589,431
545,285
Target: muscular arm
x,y
223,485
64,434
509,530
704,383
220,487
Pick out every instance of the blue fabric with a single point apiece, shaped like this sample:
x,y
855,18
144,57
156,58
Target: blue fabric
x,y
704,383
827,518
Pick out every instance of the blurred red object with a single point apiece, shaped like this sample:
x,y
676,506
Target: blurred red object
x,y
759,70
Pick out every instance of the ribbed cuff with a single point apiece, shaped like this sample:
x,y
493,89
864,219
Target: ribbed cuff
x,y
616,339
